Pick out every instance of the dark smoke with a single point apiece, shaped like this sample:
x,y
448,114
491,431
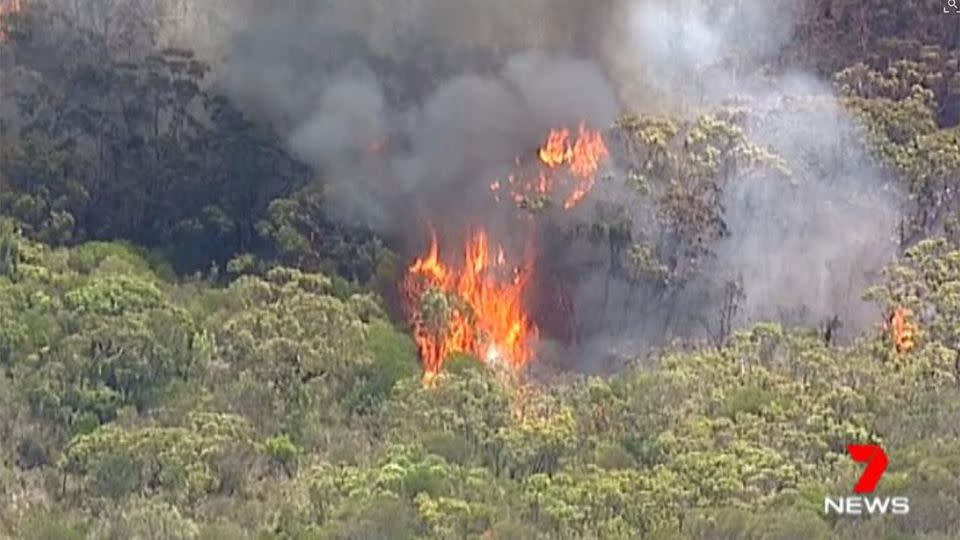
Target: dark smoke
x,y
447,124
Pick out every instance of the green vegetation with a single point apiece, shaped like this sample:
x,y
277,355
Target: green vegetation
x,y
271,408
190,350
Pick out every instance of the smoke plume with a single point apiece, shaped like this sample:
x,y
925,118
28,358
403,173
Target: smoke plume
x,y
407,109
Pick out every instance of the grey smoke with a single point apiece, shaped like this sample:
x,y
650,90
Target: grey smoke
x,y
693,52
831,227
448,131
350,114
457,89
453,90
804,248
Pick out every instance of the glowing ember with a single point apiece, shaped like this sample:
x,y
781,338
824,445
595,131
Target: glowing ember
x,y
476,307
902,329
580,158
6,7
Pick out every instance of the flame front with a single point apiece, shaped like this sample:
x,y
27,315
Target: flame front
x,y
476,307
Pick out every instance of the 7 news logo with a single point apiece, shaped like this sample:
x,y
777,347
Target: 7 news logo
x,y
877,461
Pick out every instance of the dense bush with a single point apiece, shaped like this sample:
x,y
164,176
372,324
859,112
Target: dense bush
x,y
191,349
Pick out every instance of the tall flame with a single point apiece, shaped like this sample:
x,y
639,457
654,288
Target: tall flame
x,y
477,306
481,307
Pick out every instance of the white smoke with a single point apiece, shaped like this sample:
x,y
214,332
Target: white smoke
x,y
805,248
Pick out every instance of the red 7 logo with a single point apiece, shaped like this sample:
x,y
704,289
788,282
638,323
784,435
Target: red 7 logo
x,y
876,460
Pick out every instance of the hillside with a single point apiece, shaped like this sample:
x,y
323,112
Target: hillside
x,y
316,287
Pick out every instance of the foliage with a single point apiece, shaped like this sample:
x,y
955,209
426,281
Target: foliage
x,y
272,396
120,139
286,410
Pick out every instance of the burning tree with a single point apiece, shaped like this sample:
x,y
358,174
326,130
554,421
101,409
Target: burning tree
x,y
479,305
476,307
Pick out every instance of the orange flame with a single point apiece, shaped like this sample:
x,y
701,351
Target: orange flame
x,y
581,158
482,310
7,7
477,307
902,329
557,151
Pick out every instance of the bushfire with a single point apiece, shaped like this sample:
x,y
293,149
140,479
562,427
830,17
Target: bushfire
x,y
477,304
